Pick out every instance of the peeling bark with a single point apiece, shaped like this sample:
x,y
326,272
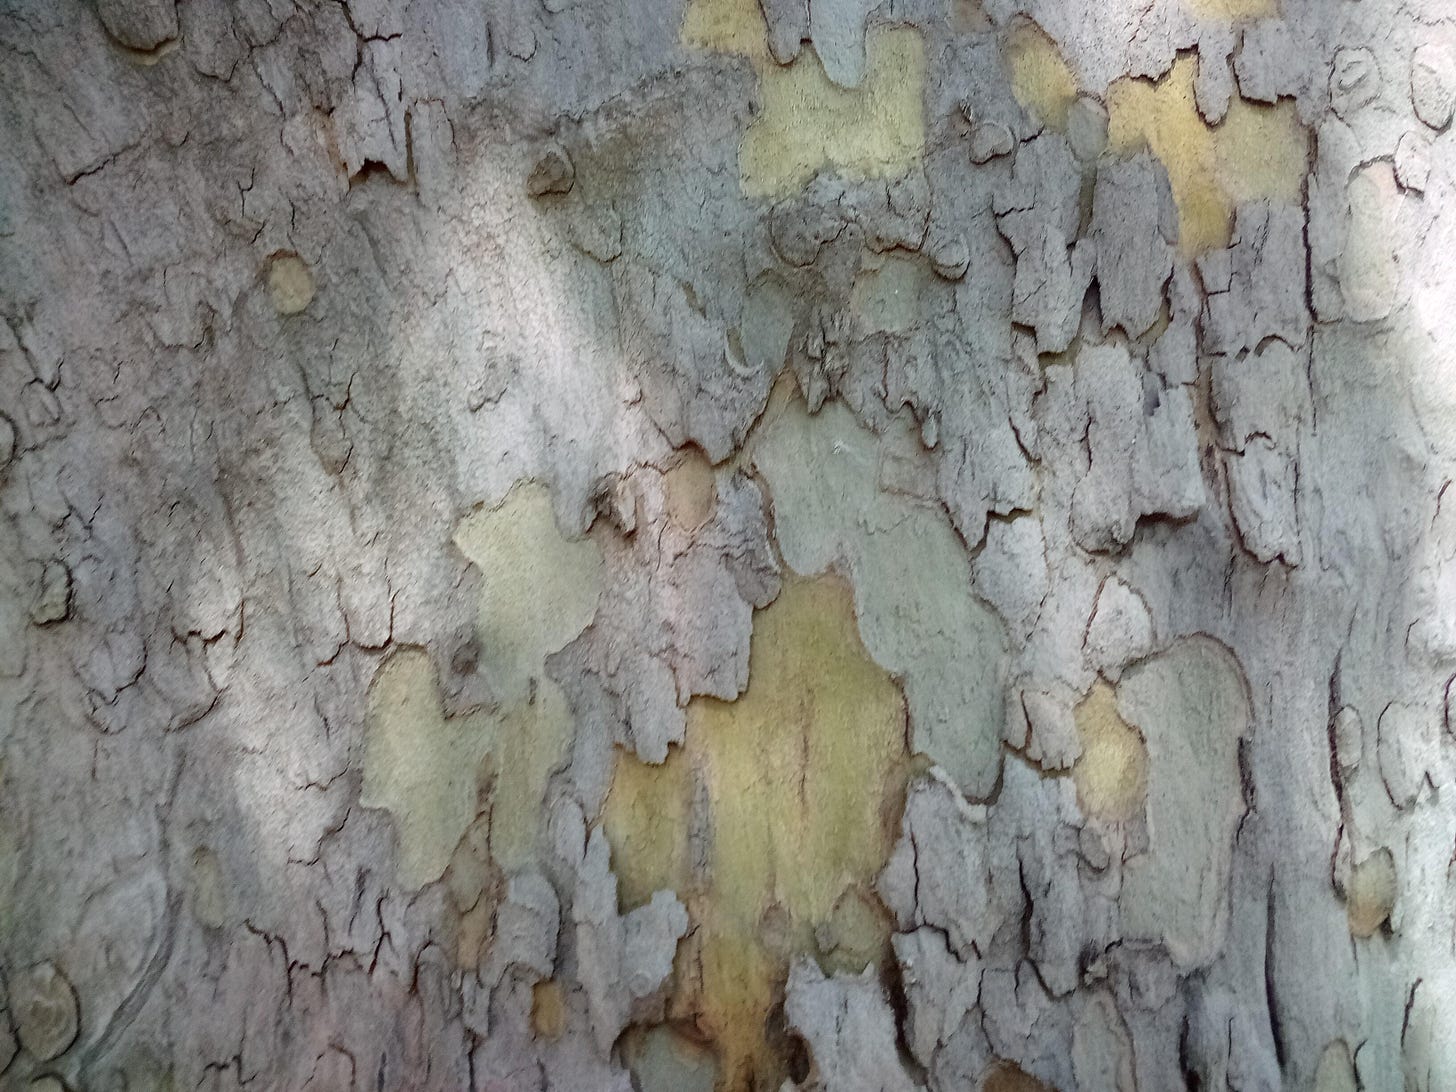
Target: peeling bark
x,y
727,544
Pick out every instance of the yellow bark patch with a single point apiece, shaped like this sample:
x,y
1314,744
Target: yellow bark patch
x,y
918,614
1111,774
691,491
1233,9
290,283
523,747
801,783
417,765
854,932
538,589
1041,79
1256,152
548,1009
1370,896
727,26
807,122
1191,705
435,774
1336,1069
208,888
646,821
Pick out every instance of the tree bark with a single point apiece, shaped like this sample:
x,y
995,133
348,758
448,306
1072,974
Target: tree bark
x,y
727,544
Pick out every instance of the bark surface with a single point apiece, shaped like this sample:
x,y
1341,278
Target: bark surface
x,y
727,545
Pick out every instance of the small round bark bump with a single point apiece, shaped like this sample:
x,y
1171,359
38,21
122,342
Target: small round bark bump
x,y
553,173
951,258
990,140
290,282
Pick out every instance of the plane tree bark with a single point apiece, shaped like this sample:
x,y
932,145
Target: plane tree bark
x,y
739,544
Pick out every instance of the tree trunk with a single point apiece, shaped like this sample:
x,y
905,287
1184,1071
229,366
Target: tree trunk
x,y
727,544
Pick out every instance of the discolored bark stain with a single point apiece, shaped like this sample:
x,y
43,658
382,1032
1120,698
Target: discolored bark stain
x,y
771,823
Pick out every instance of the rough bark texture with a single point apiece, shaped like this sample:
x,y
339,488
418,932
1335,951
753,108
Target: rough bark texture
x,y
727,544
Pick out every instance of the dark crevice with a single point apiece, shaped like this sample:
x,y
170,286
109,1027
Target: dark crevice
x,y
1271,999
